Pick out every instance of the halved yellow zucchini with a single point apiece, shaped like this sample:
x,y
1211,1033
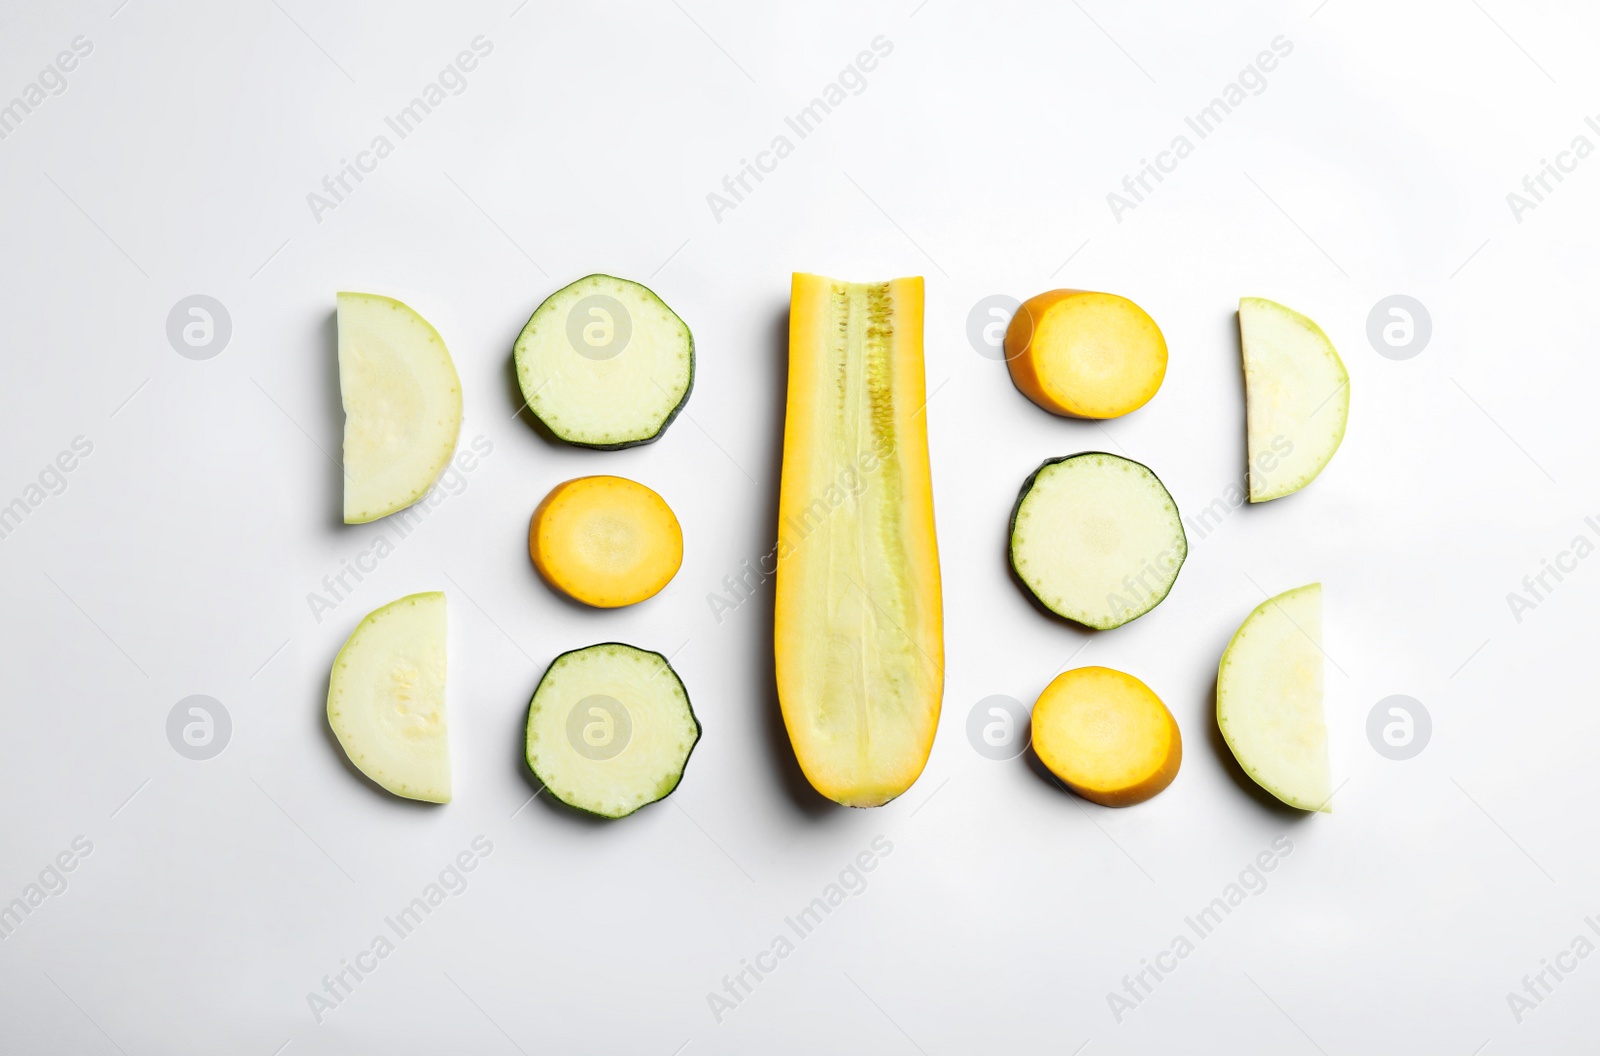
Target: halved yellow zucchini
x,y
859,622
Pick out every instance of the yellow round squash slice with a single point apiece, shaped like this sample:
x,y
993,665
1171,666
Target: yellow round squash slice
x,y
1106,736
1085,354
605,541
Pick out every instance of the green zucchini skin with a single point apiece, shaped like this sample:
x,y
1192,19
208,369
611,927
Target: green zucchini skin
x,y
1011,529
671,415
699,731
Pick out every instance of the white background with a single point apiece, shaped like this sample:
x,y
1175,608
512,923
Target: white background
x,y
179,558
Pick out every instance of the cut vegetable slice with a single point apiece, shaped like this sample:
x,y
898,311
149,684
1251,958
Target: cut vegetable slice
x,y
1297,397
605,363
1106,736
1085,354
1096,538
402,405
606,541
859,624
386,698
610,729
1269,699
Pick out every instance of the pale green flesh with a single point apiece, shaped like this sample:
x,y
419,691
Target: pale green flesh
x,y
610,729
402,404
1269,699
870,676
1097,539
386,698
607,389
1297,397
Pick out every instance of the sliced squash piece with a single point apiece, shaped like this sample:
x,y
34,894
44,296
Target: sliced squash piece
x,y
605,363
605,541
402,405
610,729
1096,538
1085,354
1269,699
386,700
1297,397
1107,736
859,624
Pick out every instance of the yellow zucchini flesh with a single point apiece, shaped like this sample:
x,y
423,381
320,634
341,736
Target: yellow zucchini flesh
x,y
859,622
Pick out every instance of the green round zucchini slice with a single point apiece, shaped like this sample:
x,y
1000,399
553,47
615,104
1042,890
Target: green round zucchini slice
x,y
605,363
610,729
1096,538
